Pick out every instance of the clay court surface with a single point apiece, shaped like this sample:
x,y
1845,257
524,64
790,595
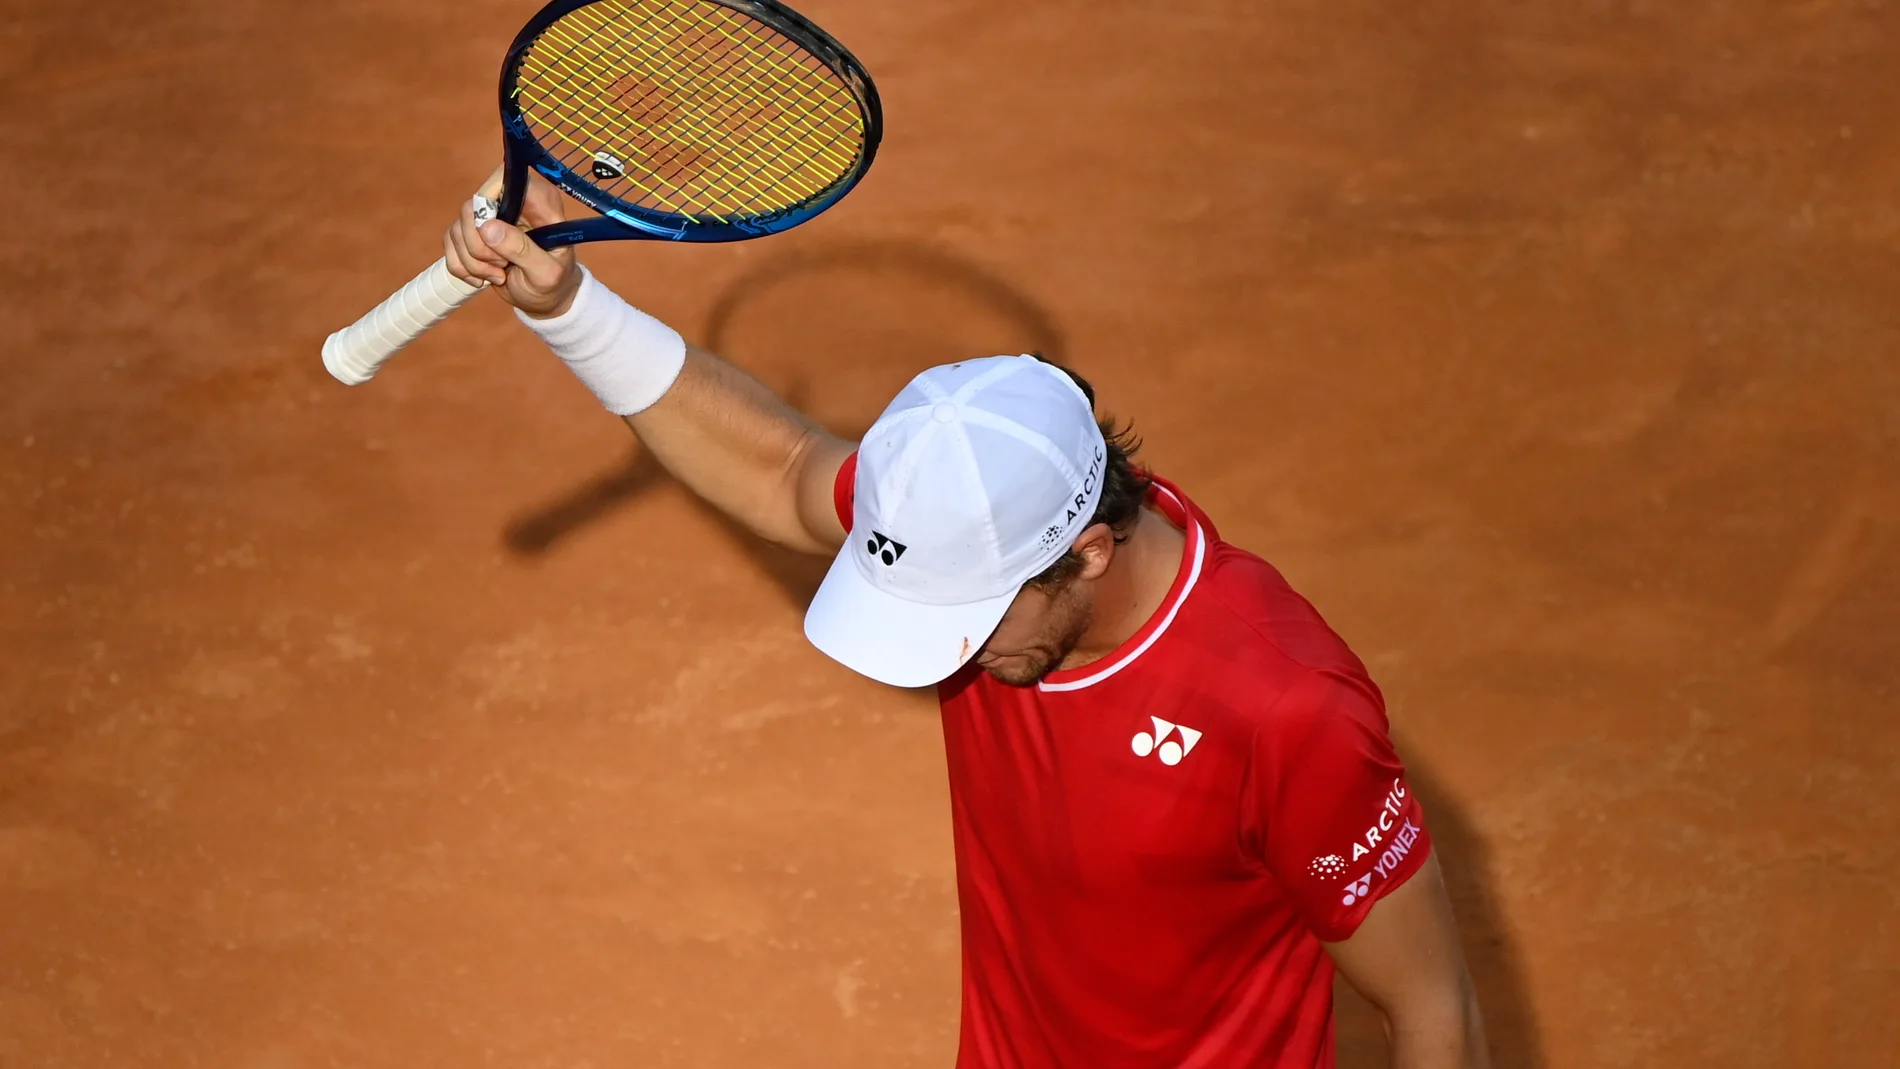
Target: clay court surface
x,y
1552,349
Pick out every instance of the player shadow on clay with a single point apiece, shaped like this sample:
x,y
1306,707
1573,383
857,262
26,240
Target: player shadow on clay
x,y
835,329
1497,971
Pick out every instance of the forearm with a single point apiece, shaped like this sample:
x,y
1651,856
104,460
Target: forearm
x,y
736,444
715,428
1447,1037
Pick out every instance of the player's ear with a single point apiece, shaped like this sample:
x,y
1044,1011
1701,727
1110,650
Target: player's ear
x,y
1096,546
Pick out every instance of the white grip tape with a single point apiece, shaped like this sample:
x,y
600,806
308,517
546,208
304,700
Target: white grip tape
x,y
354,353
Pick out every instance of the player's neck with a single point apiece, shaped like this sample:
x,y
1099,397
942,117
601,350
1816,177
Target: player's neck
x,y
1137,581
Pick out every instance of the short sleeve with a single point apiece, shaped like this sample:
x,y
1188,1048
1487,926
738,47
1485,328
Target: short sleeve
x,y
843,491
1326,806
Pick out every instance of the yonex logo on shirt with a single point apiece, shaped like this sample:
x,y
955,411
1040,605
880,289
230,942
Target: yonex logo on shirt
x,y
1167,749
1387,864
1356,890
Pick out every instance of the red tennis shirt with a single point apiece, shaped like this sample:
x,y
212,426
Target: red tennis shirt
x,y
1150,848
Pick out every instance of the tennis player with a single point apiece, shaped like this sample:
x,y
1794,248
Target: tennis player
x,y
1176,805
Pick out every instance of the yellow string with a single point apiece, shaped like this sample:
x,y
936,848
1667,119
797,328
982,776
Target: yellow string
x,y
735,98
722,18
796,78
729,96
616,138
691,116
721,187
734,182
561,112
586,155
779,62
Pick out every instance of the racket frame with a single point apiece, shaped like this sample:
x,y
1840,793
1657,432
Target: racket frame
x,y
620,221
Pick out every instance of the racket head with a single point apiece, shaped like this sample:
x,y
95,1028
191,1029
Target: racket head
x,y
684,120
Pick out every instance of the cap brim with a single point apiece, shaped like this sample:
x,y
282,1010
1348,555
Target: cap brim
x,y
894,641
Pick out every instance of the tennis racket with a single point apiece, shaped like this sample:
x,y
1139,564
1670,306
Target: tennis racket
x,y
675,120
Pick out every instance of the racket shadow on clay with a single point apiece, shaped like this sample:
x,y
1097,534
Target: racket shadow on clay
x,y
835,329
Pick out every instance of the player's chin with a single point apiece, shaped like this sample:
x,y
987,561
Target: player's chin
x,y
1016,669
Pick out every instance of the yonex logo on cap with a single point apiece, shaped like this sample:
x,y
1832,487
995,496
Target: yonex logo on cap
x,y
988,468
884,549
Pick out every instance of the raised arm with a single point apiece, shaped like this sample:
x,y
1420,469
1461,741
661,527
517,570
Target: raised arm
x,y
715,428
754,457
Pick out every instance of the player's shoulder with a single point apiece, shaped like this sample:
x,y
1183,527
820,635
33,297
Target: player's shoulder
x,y
1282,667
1243,605
1253,638
1280,631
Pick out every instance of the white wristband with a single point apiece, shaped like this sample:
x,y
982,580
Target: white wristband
x,y
627,357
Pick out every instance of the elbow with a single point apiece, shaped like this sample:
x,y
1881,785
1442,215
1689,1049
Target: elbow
x,y
1438,1026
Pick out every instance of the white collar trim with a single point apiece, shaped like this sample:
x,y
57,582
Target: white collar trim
x,y
1199,538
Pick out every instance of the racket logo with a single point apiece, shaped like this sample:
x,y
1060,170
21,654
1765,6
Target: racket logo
x,y
606,168
884,549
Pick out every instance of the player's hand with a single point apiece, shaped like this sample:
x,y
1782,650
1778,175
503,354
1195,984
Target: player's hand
x,y
539,282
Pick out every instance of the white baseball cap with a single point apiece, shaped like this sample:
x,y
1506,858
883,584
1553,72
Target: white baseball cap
x,y
977,477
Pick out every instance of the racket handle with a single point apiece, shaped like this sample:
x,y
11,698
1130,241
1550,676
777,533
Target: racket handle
x,y
354,354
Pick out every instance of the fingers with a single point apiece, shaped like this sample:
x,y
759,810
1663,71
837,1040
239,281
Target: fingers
x,y
543,202
540,268
490,265
462,264
455,255
502,255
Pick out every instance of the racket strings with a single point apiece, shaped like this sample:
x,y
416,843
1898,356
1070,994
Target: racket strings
x,y
567,126
816,142
602,126
809,79
812,81
663,160
573,114
699,109
692,79
681,85
682,158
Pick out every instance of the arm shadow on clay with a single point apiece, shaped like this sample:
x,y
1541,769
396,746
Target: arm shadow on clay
x,y
1490,952
836,329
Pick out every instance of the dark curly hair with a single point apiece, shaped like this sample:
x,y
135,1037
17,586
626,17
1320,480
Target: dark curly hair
x,y
1124,486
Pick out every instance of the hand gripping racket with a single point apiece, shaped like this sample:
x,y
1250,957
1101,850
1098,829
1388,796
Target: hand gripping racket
x,y
676,120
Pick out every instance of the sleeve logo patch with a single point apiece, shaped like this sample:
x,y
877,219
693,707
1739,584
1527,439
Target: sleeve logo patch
x,y
1330,867
1394,801
1387,864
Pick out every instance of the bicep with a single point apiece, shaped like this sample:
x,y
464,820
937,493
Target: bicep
x,y
815,473
1406,960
